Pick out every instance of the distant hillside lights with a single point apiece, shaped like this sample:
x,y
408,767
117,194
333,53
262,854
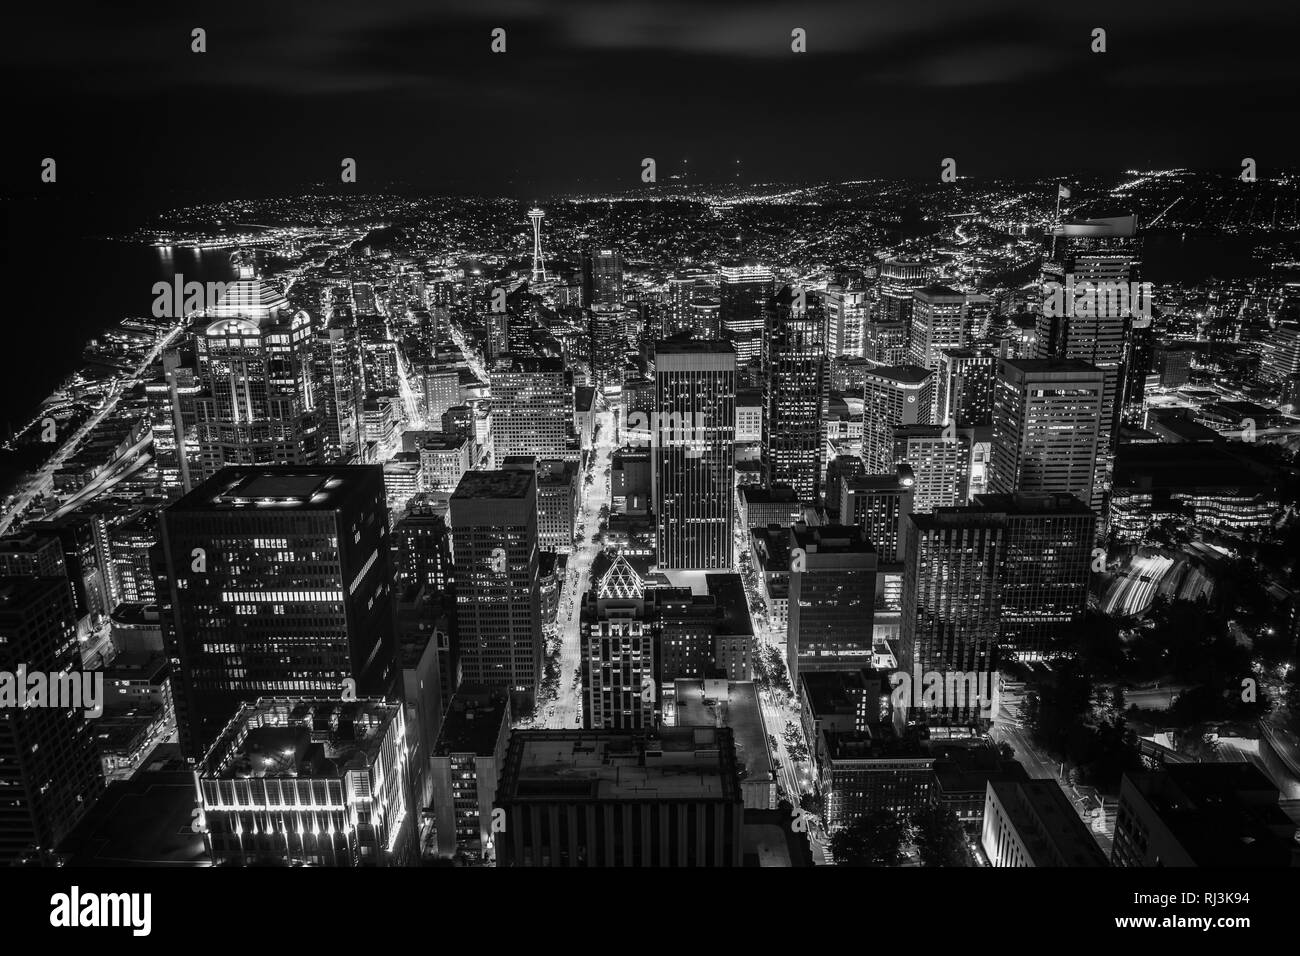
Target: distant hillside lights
x,y
1098,300
179,298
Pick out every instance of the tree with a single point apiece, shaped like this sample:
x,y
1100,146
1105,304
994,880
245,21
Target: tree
x,y
875,839
939,837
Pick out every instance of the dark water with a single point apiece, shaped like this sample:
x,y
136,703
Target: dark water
x,y
65,285
74,292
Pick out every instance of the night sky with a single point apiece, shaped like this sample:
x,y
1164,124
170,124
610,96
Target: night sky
x,y
588,88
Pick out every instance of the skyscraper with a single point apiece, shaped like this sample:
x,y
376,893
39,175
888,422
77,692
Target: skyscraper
x,y
1046,427
847,307
603,278
1046,558
894,291
881,505
278,582
340,390
796,386
1098,330
832,597
50,773
951,588
620,667
532,408
494,540
938,323
257,404
892,396
965,387
939,458
693,445
744,289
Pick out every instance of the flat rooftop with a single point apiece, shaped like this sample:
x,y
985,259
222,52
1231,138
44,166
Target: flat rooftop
x,y
281,486
472,723
510,483
739,711
300,737
678,763
903,374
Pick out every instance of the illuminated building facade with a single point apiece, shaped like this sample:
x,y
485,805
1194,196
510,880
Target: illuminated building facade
x,y
796,387
620,686
1046,427
892,396
306,781
693,467
256,404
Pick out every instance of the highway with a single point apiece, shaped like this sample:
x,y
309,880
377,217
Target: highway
x,y
43,481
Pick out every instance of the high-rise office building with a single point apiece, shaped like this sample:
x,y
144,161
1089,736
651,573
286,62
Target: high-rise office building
x,y
938,323
465,765
880,505
951,589
832,598
498,612
894,287
257,403
532,408
278,582
602,278
50,773
619,663
1281,358
608,326
340,390
744,289
939,458
1105,253
170,398
578,798
681,293
796,387
965,387
1046,428
847,308
693,449
892,396
1046,563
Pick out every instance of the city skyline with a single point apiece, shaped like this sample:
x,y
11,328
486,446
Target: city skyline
x,y
649,435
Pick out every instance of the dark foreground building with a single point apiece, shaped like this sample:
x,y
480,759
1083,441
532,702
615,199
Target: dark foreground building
x,y
620,798
279,584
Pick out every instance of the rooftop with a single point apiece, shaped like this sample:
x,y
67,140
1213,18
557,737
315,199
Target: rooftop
x,y
313,488
514,483
300,737
678,763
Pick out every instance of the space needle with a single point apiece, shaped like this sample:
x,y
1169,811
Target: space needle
x,y
535,216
